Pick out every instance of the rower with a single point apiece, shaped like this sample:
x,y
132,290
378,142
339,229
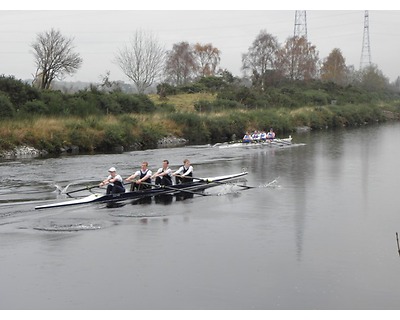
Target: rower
x,y
163,175
144,175
256,136
271,135
263,136
113,182
247,138
184,173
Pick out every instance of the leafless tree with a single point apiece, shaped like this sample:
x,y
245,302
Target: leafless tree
x,y
260,60
142,60
54,58
181,64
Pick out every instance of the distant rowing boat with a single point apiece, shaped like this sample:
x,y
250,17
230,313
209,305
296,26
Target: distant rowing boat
x,y
269,143
190,187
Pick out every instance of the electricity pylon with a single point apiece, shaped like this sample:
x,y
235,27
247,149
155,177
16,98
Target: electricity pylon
x,y
300,24
366,48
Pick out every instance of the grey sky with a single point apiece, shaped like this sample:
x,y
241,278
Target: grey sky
x,y
99,34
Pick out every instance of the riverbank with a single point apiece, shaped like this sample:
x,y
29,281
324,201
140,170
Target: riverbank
x,y
21,152
43,135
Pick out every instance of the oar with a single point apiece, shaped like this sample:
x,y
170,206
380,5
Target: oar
x,y
282,141
83,189
175,189
90,187
221,182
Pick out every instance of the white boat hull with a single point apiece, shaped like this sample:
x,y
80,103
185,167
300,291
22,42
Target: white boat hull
x,y
201,184
268,143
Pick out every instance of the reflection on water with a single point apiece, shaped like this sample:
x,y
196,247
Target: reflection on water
x,y
316,230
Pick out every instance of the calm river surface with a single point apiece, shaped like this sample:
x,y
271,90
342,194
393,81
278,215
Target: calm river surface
x,y
317,232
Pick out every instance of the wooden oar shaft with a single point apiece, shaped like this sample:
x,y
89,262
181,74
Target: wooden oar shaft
x,y
83,189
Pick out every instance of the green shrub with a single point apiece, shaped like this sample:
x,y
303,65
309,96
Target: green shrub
x,y
34,107
166,108
225,104
6,107
133,103
17,91
203,106
212,83
219,129
79,107
114,136
150,135
191,88
315,97
164,89
85,139
55,102
53,144
93,122
6,144
194,126
127,121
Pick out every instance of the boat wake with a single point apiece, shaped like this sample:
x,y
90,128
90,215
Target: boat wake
x,y
225,189
273,184
138,215
69,227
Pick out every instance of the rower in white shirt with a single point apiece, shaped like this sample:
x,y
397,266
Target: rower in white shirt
x,y
163,175
184,173
142,175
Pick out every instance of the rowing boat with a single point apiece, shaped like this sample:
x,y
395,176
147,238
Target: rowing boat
x,y
189,187
269,143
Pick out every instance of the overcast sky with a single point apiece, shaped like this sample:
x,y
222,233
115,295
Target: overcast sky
x,y
99,34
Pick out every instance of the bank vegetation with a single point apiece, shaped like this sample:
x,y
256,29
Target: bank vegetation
x,y
210,110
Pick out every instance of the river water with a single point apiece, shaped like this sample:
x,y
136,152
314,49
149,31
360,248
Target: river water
x,y
318,231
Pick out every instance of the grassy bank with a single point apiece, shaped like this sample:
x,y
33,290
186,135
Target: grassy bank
x,y
178,117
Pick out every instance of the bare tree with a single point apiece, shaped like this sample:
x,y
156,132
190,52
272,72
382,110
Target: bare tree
x,y
54,58
142,60
181,64
260,59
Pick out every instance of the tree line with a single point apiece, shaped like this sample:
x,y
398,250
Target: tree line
x,y
267,63
289,75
